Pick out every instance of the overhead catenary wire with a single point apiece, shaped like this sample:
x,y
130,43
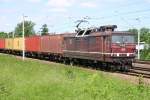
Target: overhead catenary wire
x,y
113,16
122,13
123,19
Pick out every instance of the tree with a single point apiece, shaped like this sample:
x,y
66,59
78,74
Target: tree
x,y
135,31
44,29
3,35
10,34
144,34
28,29
144,37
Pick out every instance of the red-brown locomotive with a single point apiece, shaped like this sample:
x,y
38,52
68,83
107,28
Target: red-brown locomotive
x,y
92,46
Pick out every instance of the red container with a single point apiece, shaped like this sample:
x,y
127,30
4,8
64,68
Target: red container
x,y
2,43
52,44
32,44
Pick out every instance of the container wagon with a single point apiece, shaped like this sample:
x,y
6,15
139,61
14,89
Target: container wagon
x,y
32,45
52,46
8,45
2,44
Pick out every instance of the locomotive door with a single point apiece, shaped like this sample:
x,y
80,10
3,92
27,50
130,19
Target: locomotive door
x,y
105,47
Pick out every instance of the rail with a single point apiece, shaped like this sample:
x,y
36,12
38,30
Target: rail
x,y
142,61
140,68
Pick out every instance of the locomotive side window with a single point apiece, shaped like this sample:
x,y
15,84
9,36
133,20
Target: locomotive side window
x,y
80,33
83,32
88,32
122,38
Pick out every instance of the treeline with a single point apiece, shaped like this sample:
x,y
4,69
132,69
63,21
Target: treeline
x,y
28,29
6,35
144,37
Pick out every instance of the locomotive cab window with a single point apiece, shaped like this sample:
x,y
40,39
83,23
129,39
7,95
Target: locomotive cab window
x,y
123,38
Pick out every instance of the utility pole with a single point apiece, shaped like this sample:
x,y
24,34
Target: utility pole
x,y
139,44
138,39
23,39
7,35
13,33
23,46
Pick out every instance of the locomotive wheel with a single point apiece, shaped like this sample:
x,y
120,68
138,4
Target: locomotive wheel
x,y
126,68
118,67
113,67
72,62
64,61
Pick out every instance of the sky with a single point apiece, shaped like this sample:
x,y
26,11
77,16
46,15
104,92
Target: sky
x,y
61,15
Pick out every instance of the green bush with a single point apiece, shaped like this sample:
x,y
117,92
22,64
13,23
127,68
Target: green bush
x,y
145,54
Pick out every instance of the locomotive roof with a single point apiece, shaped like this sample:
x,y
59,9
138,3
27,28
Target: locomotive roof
x,y
101,33
98,31
123,32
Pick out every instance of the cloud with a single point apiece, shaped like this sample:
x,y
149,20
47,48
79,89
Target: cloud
x,y
34,1
8,10
58,10
60,3
116,0
7,1
147,1
2,18
88,4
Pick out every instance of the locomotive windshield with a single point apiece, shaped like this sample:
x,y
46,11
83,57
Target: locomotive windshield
x,y
122,38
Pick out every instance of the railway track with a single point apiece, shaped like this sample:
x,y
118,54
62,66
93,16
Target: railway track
x,y
142,61
140,69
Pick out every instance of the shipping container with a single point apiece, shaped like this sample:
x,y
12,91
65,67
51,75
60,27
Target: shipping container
x,y
45,43
18,43
32,44
52,44
9,43
2,43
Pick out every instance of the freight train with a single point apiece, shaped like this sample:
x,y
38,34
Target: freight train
x,y
101,46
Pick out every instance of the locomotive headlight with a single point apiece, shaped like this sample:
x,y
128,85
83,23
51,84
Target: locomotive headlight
x,y
111,54
118,54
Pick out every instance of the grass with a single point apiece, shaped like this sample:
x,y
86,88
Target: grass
x,y
33,80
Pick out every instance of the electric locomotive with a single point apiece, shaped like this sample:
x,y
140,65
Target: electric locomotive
x,y
102,45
